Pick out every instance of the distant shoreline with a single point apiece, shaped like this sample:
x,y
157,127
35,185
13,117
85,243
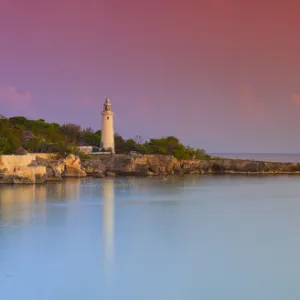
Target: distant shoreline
x,y
269,157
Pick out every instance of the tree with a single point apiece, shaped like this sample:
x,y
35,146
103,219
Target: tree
x,y
201,154
90,137
138,139
119,144
34,145
10,137
130,145
72,131
5,147
62,149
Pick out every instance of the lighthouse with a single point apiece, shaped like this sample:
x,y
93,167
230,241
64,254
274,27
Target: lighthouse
x,y
107,133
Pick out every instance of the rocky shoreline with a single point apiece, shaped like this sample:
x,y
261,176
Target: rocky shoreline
x,y
40,168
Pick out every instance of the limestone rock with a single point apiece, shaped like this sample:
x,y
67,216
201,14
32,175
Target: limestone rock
x,y
73,167
110,173
148,165
98,175
70,159
54,172
93,167
149,173
54,167
131,165
38,168
73,171
24,175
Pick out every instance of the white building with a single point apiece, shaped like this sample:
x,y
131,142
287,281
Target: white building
x,y
85,149
88,149
107,133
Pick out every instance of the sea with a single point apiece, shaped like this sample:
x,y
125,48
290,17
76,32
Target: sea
x,y
207,237
292,157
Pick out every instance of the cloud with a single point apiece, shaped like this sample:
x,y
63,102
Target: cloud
x,y
248,106
296,98
15,102
10,95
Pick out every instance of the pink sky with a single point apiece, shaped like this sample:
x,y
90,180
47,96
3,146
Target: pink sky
x,y
219,74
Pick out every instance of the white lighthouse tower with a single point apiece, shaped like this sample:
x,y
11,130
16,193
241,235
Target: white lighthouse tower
x,y
107,133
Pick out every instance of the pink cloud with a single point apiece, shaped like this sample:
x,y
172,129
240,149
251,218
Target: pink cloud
x,y
14,98
296,98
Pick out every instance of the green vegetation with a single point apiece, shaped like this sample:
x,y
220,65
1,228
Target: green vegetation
x,y
167,145
10,137
19,135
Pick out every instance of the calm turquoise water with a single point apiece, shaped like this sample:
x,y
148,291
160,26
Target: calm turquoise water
x,y
201,237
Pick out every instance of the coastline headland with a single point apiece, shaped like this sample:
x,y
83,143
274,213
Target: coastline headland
x,y
40,168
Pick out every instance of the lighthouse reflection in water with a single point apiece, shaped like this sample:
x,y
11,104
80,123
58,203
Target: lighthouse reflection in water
x,y
108,194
